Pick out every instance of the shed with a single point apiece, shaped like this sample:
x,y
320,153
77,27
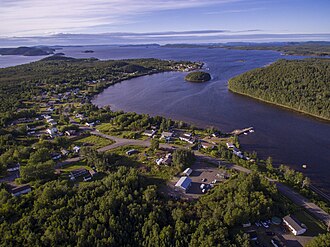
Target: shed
x,y
187,172
183,183
23,189
294,225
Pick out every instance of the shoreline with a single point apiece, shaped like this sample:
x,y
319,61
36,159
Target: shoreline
x,y
319,118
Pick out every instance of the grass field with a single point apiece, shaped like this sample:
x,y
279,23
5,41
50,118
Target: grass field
x,y
95,141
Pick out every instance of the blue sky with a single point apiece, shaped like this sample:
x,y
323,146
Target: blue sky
x,y
231,18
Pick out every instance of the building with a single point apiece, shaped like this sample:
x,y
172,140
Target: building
x,y
166,135
78,173
52,131
19,190
183,183
70,132
187,172
76,149
149,133
132,151
206,145
230,145
294,225
13,168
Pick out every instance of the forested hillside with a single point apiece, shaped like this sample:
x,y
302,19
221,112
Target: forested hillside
x,y
123,210
302,85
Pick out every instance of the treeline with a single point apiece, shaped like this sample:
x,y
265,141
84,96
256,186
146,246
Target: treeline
x,y
123,209
302,85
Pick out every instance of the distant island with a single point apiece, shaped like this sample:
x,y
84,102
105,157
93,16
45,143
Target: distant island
x,y
310,48
88,51
301,85
28,51
198,76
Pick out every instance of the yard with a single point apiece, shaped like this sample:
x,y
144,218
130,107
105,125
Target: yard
x,y
95,141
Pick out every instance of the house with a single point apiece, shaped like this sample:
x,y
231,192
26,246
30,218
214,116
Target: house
x,y
149,132
238,153
166,135
70,132
76,149
159,161
87,178
206,145
65,152
78,173
47,117
183,183
187,172
230,145
56,156
165,160
294,225
19,190
80,116
187,138
132,151
52,131
13,168
52,122
92,124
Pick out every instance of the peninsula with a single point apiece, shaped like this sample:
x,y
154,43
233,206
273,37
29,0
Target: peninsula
x,y
300,85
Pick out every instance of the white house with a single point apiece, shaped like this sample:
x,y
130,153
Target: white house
x,y
183,183
52,131
230,145
149,132
76,149
295,226
166,135
187,172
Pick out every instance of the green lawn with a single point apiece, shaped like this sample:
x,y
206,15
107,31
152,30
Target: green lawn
x,y
96,141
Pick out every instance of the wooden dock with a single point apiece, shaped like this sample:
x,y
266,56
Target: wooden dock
x,y
238,132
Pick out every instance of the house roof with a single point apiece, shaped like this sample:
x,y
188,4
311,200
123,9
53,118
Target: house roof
x,y
20,188
293,223
183,182
188,171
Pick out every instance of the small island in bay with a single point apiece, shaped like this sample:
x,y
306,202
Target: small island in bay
x,y
198,76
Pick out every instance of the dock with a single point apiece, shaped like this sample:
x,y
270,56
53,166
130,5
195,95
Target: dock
x,y
238,132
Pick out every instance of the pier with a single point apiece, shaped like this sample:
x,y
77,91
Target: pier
x,y
238,132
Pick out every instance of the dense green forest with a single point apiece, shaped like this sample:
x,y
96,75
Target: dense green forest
x,y
302,85
124,209
198,76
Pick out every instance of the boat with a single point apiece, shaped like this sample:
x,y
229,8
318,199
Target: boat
x,y
251,131
245,133
304,166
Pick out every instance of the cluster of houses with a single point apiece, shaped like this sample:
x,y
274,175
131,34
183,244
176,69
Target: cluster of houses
x,y
167,160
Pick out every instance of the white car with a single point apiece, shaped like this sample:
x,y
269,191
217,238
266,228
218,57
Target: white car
x,y
264,224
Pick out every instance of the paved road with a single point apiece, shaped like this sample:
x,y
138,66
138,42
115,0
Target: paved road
x,y
286,191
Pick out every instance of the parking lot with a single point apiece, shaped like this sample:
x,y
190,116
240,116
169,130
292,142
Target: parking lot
x,y
203,173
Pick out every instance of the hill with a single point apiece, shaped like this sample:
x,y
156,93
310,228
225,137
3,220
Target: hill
x,y
301,85
27,51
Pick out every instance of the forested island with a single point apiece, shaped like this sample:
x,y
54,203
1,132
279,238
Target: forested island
x,y
301,85
28,51
97,177
198,76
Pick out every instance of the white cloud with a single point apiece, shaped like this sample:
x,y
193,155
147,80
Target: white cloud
x,y
35,17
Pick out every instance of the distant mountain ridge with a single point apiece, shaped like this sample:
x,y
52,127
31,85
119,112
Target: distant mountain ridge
x,y
28,51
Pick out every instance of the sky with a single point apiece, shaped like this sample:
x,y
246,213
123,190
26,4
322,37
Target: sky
x,y
162,21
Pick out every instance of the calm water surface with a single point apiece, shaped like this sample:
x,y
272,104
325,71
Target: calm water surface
x,y
287,136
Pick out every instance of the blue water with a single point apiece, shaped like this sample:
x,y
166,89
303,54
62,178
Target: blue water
x,y
289,137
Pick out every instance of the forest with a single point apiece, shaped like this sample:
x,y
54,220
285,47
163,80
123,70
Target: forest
x,y
301,85
125,209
